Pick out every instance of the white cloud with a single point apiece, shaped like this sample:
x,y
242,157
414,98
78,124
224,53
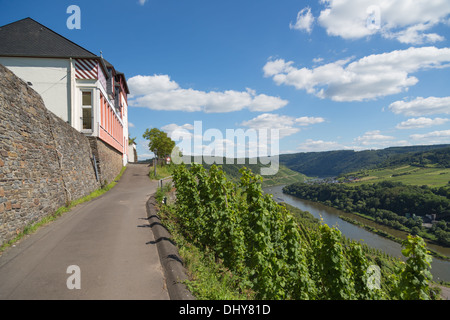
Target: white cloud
x,y
174,130
264,103
279,66
320,145
317,60
434,137
141,85
212,142
159,92
422,106
368,78
369,141
415,35
304,22
404,20
285,124
142,2
421,122
131,125
375,137
306,121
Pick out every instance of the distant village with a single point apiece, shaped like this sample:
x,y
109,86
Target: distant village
x,y
332,180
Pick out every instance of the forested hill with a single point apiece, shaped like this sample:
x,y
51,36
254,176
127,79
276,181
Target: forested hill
x,y
334,163
231,167
437,157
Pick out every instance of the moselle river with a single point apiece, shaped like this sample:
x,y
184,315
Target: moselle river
x,y
439,268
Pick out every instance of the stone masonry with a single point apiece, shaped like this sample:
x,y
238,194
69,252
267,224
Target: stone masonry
x,y
45,163
109,160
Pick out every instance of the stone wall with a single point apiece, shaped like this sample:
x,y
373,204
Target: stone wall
x,y
44,163
109,160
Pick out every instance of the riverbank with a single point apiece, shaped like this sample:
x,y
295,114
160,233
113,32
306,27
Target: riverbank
x,y
391,225
332,217
389,236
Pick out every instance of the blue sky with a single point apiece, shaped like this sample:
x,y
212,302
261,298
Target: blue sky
x,y
329,75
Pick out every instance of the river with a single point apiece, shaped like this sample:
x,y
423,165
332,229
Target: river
x,y
440,269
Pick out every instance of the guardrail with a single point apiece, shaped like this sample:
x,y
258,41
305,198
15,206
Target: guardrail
x,y
161,181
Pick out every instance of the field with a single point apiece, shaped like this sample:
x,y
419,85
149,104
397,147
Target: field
x,y
284,176
411,175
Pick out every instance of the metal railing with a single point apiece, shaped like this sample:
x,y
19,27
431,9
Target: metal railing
x,y
161,181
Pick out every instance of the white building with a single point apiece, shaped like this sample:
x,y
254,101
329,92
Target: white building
x,y
80,87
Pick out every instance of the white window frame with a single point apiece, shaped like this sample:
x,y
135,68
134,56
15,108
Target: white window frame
x,y
90,131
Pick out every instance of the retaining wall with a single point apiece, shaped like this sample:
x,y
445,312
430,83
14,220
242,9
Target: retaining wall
x,y
44,162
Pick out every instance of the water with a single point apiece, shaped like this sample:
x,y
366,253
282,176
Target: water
x,y
440,269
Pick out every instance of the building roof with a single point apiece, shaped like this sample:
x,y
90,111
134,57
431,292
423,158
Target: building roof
x,y
29,38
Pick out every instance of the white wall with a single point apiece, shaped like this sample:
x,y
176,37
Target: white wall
x,y
49,77
131,149
126,151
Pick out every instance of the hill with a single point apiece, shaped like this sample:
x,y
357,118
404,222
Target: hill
x,y
231,167
335,163
406,174
436,158
283,176
430,168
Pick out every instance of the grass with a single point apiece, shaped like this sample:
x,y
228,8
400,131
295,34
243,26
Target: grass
x,y
33,227
161,172
411,175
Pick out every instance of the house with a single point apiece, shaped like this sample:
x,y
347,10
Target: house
x,y
77,85
132,153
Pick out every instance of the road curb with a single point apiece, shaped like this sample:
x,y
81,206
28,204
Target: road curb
x,y
171,261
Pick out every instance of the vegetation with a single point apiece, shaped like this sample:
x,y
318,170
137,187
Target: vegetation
x,y
283,176
396,205
210,279
335,163
407,174
131,140
162,171
263,251
159,143
439,158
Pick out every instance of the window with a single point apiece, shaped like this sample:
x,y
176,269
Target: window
x,y
87,110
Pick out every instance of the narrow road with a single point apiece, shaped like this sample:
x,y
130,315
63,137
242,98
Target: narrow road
x,y
109,239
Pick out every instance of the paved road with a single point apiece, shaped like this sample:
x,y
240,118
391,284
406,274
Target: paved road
x,y
108,238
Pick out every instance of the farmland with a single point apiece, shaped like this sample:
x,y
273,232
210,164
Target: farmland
x,y
407,174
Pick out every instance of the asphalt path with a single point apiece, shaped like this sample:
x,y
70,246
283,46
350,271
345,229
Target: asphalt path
x,y
103,249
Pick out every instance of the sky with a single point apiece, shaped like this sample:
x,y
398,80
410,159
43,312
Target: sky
x,y
325,74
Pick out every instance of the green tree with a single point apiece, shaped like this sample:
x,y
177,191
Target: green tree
x,y
131,140
159,142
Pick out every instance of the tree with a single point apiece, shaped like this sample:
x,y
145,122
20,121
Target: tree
x,y
159,143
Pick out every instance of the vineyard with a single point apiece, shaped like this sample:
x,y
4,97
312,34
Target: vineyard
x,y
276,254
